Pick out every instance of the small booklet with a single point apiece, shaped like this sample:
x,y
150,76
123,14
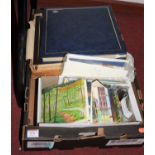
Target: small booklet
x,y
100,103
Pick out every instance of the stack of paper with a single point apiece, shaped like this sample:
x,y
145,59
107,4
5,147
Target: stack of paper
x,y
94,67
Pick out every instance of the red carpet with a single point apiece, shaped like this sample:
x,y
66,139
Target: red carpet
x,y
132,27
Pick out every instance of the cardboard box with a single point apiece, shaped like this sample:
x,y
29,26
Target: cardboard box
x,y
37,137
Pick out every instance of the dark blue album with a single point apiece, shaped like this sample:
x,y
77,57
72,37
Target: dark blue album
x,y
86,30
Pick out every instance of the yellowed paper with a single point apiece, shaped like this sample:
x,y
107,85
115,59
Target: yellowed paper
x,y
30,38
30,41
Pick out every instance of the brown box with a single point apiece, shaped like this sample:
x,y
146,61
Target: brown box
x,y
37,137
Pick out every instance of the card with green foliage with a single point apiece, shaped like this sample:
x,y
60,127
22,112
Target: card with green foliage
x,y
66,103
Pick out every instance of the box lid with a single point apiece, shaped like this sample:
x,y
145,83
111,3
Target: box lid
x,y
85,30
